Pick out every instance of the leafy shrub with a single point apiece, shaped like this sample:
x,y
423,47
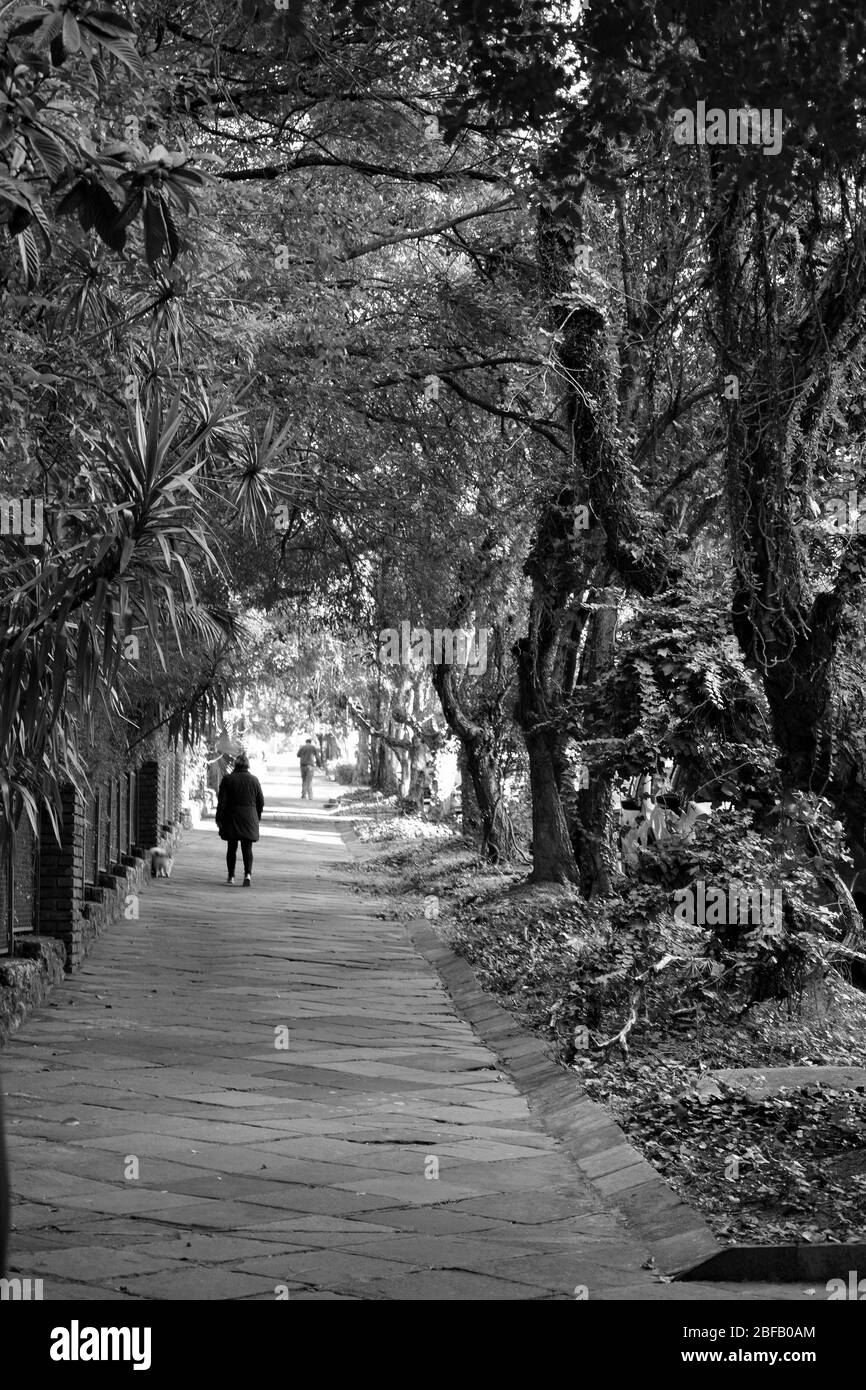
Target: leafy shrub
x,y
752,962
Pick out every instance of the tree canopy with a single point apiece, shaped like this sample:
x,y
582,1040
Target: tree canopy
x,y
319,319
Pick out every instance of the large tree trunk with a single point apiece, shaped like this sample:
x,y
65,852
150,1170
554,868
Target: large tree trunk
x,y
597,828
391,767
417,772
362,757
786,371
624,538
403,761
470,812
479,762
553,858
600,867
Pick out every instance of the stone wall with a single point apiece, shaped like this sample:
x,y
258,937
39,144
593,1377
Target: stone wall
x,y
26,981
115,896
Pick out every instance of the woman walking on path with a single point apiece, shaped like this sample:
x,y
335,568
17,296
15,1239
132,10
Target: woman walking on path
x,y
239,809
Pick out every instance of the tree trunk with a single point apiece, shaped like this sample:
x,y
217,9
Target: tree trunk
x,y
403,759
470,813
417,772
478,764
597,826
785,371
362,757
598,853
378,763
624,537
553,858
390,770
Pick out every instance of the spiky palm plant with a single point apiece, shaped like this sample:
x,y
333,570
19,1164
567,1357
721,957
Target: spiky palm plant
x,y
69,605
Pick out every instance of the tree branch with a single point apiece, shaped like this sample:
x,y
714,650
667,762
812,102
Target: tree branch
x,y
358,166
418,233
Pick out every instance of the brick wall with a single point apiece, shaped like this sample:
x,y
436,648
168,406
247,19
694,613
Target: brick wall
x,y
61,877
149,804
74,910
178,785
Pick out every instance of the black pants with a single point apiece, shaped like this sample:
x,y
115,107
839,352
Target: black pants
x,y
232,855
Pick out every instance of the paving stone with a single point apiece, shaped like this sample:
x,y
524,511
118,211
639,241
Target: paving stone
x,y
70,1292
413,1190
197,1248
525,1208
435,1220
321,1230
333,1269
303,1166
444,1252
70,1262
199,1283
450,1285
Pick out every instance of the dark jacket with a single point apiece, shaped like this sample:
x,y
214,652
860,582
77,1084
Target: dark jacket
x,y
309,756
239,806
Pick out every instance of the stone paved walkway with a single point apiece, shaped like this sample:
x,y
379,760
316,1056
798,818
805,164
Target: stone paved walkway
x,y
166,1145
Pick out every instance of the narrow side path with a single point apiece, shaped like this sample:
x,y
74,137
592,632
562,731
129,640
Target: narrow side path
x,y
248,1093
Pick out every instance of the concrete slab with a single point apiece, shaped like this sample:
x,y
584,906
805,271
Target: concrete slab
x,y
759,1082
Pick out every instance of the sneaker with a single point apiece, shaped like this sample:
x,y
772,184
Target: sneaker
x,y
230,883
247,883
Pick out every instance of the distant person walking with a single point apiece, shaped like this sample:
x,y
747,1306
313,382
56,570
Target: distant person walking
x,y
239,809
310,759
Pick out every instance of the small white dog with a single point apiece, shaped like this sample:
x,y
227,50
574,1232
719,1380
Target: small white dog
x,y
161,862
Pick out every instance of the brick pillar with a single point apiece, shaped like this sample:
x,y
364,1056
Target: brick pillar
x,y
61,877
166,762
149,818
178,783
166,767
